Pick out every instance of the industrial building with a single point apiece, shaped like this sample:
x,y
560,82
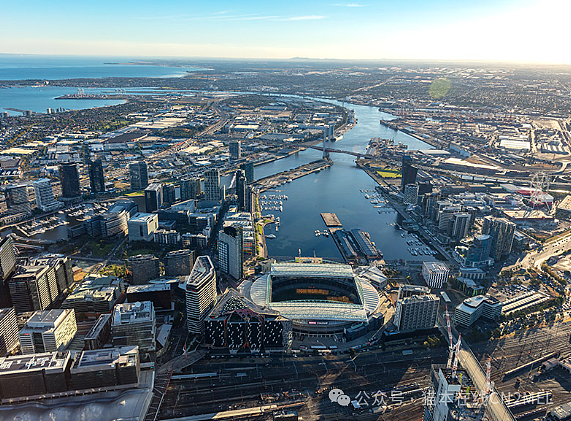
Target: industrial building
x,y
200,293
8,331
239,325
435,274
48,331
134,324
142,226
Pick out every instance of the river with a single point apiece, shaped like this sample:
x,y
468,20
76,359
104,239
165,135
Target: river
x,y
338,190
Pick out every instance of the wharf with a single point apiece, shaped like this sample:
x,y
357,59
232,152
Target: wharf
x,y
331,219
284,177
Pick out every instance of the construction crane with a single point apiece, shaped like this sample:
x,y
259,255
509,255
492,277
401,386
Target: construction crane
x,y
450,339
456,352
488,376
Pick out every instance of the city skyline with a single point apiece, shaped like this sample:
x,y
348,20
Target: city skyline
x,y
525,31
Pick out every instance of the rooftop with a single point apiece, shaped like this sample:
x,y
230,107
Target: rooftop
x,y
34,362
138,312
143,217
202,271
47,318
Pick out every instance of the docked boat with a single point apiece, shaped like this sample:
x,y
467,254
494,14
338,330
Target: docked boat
x,y
270,236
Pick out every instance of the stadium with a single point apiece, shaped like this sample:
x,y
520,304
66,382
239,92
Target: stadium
x,y
319,298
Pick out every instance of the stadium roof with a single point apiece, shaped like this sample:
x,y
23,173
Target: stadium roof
x,y
315,309
318,270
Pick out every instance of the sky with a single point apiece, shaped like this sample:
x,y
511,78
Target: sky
x,y
498,30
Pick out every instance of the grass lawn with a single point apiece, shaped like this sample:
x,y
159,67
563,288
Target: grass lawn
x,y
139,251
98,249
389,173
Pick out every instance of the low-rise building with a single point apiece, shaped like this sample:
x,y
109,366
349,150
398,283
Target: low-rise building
x,y
142,226
435,274
471,309
134,324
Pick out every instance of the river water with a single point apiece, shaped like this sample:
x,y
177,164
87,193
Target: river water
x,y
338,190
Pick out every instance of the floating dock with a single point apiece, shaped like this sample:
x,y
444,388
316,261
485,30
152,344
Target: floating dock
x,y
331,220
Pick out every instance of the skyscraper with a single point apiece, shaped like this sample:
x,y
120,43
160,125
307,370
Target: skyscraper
x,y
461,225
235,149
45,196
408,172
230,251
7,258
153,197
190,188
200,293
411,194
502,233
138,175
169,194
18,199
212,185
248,168
241,189
96,176
69,179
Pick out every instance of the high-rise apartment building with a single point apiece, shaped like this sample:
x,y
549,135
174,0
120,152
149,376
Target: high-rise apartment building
x,y
235,148
190,188
248,168
408,172
69,179
230,251
144,268
169,196
212,185
502,232
33,288
460,225
8,331
44,193
241,190
96,176
18,199
153,197
411,194
416,312
179,262
138,175
7,257
200,293
48,331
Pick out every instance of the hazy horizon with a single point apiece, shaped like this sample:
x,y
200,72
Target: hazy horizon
x,y
528,31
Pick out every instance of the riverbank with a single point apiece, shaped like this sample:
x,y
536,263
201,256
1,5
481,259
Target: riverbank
x,y
288,176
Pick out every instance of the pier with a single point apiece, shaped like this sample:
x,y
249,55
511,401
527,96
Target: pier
x,y
331,219
288,176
